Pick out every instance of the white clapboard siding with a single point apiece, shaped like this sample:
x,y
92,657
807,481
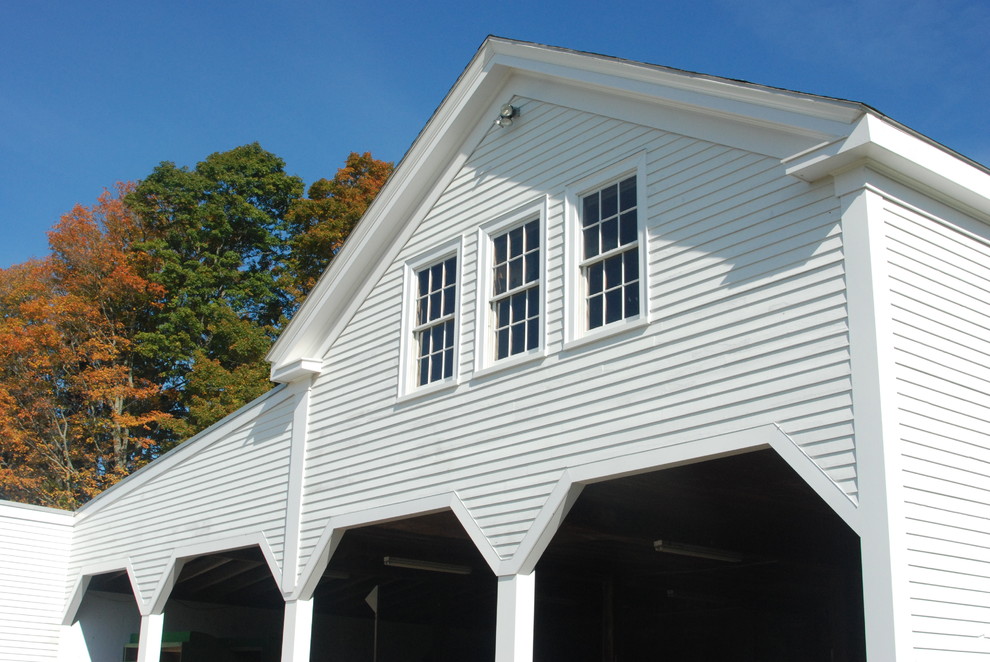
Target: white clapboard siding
x,y
34,553
940,311
226,486
748,328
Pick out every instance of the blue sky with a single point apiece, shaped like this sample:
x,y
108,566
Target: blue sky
x,y
92,93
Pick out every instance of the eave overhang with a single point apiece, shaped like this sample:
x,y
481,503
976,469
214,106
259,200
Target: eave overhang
x,y
903,155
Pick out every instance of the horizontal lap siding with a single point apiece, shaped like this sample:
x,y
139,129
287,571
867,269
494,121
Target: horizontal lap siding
x,y
940,296
34,551
749,328
234,486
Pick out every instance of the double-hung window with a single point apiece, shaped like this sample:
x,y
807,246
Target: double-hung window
x,y
434,330
515,294
610,253
606,267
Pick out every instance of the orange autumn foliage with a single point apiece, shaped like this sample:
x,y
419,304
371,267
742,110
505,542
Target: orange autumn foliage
x,y
74,416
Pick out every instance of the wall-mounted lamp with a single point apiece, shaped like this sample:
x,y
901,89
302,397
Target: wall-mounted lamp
x,y
505,115
696,551
433,566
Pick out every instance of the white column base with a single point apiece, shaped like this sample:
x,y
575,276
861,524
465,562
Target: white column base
x,y
297,630
514,618
150,641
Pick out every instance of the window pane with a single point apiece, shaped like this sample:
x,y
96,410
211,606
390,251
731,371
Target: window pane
x,y
627,194
502,348
533,334
424,344
434,306
422,310
533,266
518,337
436,276
450,272
631,265
424,370
516,242
499,248
613,272
502,315
613,306
424,282
448,300
610,234
518,306
595,311
437,340
595,278
533,306
591,242
532,235
632,300
627,231
610,201
590,212
515,272
500,278
448,363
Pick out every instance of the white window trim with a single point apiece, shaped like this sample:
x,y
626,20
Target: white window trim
x,y
576,332
484,355
408,388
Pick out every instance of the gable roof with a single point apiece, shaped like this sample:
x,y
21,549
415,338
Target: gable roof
x,y
834,134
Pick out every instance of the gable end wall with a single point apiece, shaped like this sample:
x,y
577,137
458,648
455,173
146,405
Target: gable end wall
x,y
747,300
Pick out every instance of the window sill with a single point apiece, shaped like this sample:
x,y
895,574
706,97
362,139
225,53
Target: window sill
x,y
510,362
418,392
607,331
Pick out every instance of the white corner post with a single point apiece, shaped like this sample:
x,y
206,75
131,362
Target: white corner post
x,y
297,630
297,624
883,538
515,618
150,641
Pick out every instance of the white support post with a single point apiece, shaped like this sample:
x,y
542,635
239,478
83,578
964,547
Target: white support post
x,y
514,618
297,630
150,641
883,542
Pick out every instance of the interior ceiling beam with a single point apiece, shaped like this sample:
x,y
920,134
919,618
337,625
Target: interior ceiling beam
x,y
200,566
242,583
230,570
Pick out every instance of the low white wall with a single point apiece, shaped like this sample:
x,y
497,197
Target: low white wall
x,y
34,550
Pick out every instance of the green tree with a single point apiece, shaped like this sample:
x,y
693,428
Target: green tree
x,y
217,236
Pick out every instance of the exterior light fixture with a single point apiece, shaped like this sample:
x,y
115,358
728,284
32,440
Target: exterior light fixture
x,y
505,115
432,566
696,551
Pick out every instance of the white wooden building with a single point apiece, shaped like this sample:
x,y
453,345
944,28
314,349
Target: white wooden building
x,y
623,363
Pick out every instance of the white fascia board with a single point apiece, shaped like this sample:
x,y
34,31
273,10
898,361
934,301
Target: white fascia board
x,y
434,156
903,156
184,451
